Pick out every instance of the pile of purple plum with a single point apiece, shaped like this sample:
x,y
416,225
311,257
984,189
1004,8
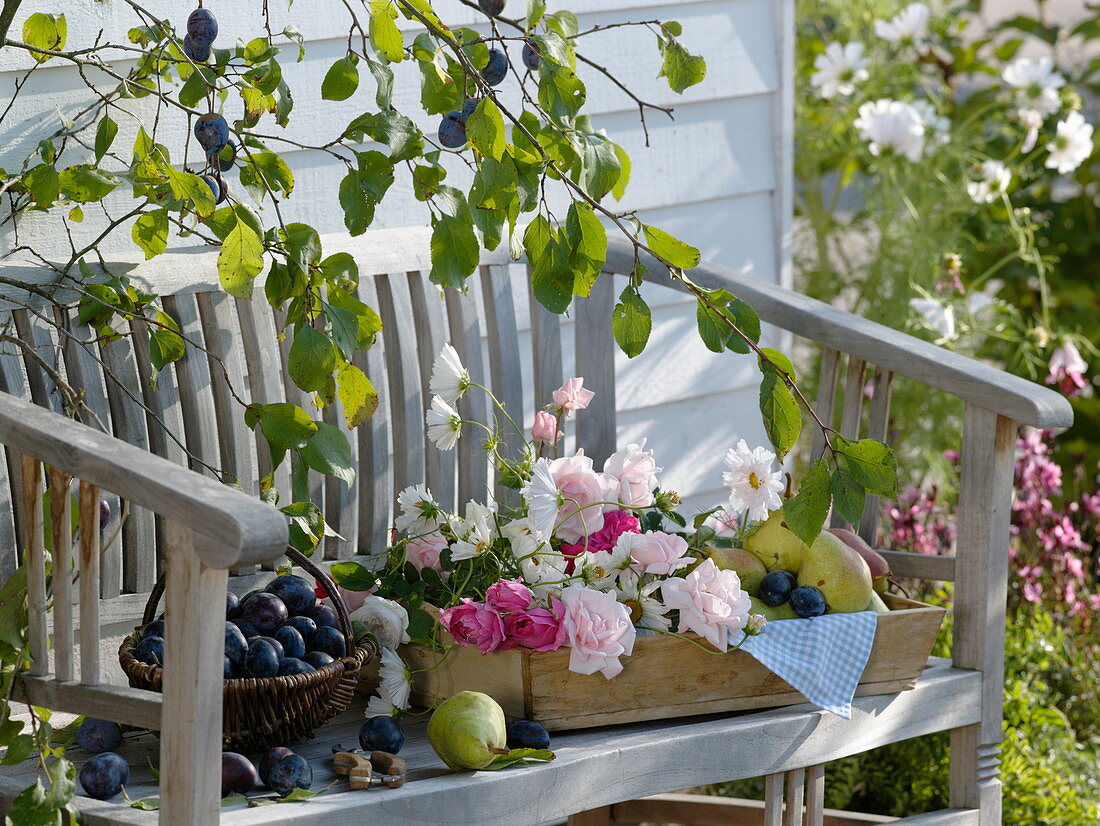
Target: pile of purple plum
x,y
282,630
280,770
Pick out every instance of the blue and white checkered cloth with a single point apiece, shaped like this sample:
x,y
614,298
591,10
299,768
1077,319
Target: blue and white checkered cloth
x,y
823,657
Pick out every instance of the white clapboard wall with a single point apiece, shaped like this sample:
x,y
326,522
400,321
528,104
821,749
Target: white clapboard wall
x,y
717,176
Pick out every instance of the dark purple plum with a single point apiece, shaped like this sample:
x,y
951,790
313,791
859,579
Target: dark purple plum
x,y
232,602
274,643
807,601
266,611
318,659
527,734
270,758
153,629
248,629
295,592
236,646
292,642
381,734
531,54
104,775
468,108
324,615
150,651
104,514
289,773
217,187
293,665
195,52
452,130
202,27
493,8
238,774
262,660
229,671
212,132
304,626
330,641
98,735
776,587
496,69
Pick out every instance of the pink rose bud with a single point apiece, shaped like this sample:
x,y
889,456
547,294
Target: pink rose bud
x,y
474,624
509,595
572,395
1067,369
536,629
545,428
755,624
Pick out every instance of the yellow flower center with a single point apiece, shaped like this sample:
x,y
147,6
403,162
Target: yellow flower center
x,y
754,480
635,607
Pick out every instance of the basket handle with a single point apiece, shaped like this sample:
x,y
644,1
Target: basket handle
x,y
302,561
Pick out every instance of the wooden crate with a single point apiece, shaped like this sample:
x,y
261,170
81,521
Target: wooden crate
x,y
665,677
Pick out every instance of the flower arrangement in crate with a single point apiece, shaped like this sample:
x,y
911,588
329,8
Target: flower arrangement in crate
x,y
589,562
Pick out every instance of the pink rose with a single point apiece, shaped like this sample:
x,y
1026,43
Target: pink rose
x,y
585,492
710,601
655,552
615,524
572,395
423,551
474,624
545,428
632,476
509,595
597,628
536,629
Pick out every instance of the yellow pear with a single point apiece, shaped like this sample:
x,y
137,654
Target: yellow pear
x,y
468,731
877,605
748,566
776,546
772,612
839,573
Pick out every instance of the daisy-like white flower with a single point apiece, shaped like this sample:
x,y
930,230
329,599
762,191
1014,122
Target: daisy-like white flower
x,y
478,530
891,126
838,69
1072,144
646,611
1031,120
543,498
394,686
444,424
907,28
937,315
420,513
991,178
450,379
1036,82
937,127
603,569
753,485
543,568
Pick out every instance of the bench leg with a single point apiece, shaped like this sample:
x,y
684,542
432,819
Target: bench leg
x,y
191,720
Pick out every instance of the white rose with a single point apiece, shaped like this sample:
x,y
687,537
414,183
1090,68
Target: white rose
x,y
633,476
386,619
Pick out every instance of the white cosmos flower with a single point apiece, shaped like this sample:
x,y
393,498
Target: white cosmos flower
x,y
477,532
394,686
891,125
450,379
646,611
420,513
543,568
1032,120
603,569
908,27
1036,82
937,315
444,424
838,69
753,485
543,498
978,301
936,126
991,178
1072,144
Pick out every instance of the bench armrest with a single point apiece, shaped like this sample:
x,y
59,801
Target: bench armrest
x,y
986,386
230,528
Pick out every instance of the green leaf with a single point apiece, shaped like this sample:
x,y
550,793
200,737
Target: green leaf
x,y
671,249
197,85
778,361
294,34
518,756
150,232
363,188
312,359
20,748
869,462
342,78
353,576
681,68
619,190
262,171
485,129
188,187
303,246
805,512
166,345
848,496
328,452
631,322
713,320
45,31
240,259
455,250
782,420
357,395
395,130
551,272
600,163
587,246
104,137
43,184
13,609
747,321
285,426
86,183
383,31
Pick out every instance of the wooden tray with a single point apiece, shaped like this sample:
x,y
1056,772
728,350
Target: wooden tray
x,y
665,677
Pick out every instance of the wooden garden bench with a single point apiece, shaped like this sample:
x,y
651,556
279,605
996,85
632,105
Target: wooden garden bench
x,y
205,535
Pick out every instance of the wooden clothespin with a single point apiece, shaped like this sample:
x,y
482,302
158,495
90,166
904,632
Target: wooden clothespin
x,y
358,768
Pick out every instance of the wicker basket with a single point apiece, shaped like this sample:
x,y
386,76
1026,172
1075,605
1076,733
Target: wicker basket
x,y
273,711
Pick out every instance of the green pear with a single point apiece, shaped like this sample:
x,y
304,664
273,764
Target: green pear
x,y
468,731
772,612
775,545
839,573
877,605
880,568
750,570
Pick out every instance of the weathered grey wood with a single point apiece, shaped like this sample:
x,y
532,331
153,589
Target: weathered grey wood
x,y
945,817
969,379
796,790
825,402
710,810
815,796
9,539
295,395
773,800
546,355
61,553
595,356
43,339
375,490
921,566
341,500
466,338
13,381
232,528
200,424
129,706
89,583
877,428
505,373
191,724
36,564
851,414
